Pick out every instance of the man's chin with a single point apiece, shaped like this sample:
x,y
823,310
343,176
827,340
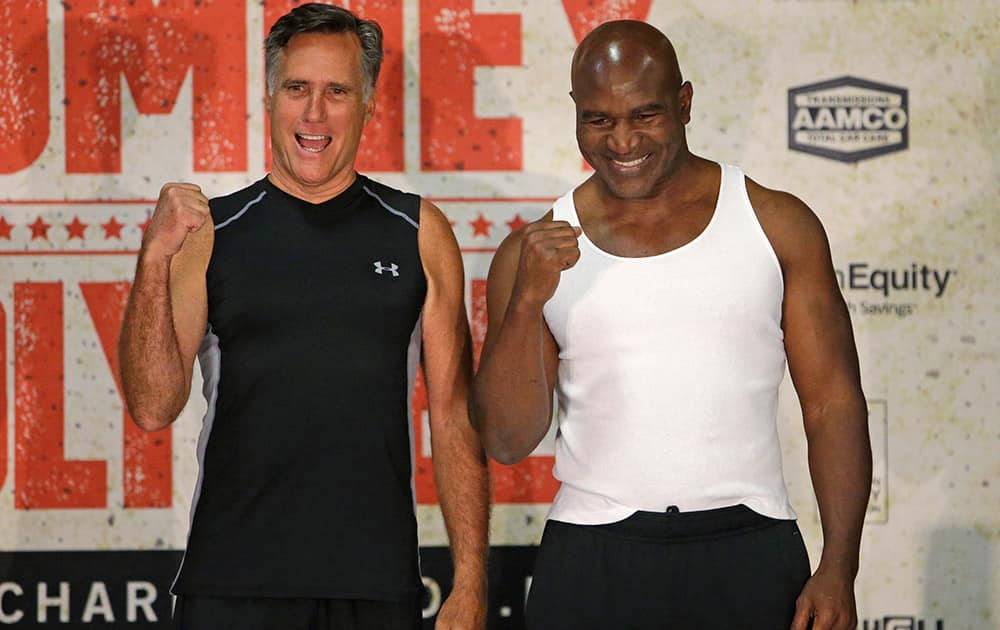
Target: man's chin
x,y
313,179
628,190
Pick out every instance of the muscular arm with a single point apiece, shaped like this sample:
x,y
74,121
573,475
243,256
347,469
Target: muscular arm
x,y
512,394
165,317
459,463
823,363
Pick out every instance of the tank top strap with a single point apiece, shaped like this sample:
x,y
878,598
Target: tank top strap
x,y
565,210
732,190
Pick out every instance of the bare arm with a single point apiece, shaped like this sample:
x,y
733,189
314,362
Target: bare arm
x,y
460,470
512,395
823,363
167,308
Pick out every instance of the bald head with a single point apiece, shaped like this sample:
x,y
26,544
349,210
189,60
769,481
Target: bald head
x,y
631,108
625,47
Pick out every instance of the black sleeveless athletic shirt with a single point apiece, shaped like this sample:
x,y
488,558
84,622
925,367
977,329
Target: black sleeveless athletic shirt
x,y
305,488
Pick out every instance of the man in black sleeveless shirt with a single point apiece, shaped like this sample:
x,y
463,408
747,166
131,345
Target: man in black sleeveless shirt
x,y
309,298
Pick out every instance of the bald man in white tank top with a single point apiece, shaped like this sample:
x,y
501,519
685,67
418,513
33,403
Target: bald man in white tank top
x,y
661,300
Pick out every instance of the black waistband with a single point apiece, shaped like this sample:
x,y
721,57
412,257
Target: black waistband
x,y
674,526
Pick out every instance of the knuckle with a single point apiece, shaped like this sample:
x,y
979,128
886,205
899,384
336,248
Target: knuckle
x,y
539,249
175,195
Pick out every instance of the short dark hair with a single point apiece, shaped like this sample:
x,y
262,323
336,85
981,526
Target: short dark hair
x,y
324,18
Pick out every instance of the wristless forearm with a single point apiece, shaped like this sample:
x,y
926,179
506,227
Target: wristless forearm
x,y
512,398
841,467
153,375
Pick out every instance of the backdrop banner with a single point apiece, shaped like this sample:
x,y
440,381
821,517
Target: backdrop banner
x,y
881,116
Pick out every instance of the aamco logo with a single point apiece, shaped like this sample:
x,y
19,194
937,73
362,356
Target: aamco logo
x,y
848,119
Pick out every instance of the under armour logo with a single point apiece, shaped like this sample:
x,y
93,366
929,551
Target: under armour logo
x,y
393,268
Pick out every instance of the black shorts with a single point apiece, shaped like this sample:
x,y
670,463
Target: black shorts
x,y
726,568
197,612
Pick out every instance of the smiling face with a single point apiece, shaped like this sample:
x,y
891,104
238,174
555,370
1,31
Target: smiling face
x,y
631,109
317,113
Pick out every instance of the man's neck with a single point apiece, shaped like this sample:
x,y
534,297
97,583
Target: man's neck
x,y
313,194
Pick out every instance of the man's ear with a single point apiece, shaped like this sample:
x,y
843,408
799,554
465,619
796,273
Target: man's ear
x,y
370,108
684,98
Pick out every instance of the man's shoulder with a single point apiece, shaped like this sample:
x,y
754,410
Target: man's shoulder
x,y
391,198
226,207
771,199
788,222
777,207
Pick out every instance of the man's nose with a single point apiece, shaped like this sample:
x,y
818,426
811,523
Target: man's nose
x,y
315,107
622,139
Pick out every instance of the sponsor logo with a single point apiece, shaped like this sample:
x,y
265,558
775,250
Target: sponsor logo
x,y
392,268
888,286
848,119
918,277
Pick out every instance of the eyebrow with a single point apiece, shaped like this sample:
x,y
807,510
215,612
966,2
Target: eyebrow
x,y
650,107
333,84
642,109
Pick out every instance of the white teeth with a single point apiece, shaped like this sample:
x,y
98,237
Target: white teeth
x,y
632,163
312,138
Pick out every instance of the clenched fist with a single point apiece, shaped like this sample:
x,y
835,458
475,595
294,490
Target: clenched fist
x,y
180,210
547,249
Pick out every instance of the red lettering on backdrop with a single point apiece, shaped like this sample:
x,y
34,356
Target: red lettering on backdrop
x,y
154,46
453,41
423,469
146,457
382,143
585,15
24,101
528,481
43,478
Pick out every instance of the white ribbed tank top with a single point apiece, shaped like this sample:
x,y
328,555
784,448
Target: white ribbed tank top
x,y
669,367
